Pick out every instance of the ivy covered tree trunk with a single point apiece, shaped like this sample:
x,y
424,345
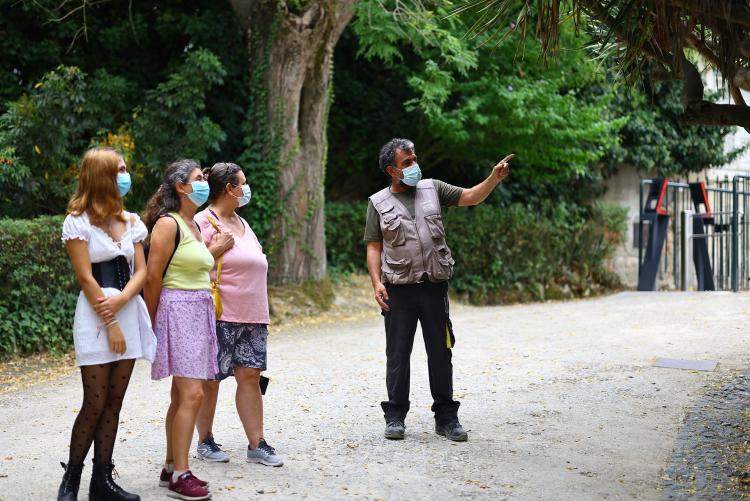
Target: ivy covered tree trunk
x,y
290,46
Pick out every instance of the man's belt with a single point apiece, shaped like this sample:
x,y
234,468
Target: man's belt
x,y
114,273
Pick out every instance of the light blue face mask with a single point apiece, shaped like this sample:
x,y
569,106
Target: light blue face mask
x,y
199,196
123,183
246,194
412,175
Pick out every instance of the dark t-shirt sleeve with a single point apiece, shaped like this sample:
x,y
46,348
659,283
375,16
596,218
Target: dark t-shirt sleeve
x,y
447,193
373,233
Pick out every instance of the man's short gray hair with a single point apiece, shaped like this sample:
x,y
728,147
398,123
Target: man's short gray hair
x,y
388,151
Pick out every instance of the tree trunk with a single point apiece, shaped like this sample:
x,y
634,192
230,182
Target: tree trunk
x,y
291,56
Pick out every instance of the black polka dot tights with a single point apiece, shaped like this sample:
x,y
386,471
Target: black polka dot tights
x,y
104,388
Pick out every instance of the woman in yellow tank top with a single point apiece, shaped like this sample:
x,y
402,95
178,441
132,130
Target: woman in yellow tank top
x,y
178,298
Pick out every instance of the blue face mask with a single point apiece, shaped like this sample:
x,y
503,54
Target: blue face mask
x,y
123,183
246,194
412,175
199,196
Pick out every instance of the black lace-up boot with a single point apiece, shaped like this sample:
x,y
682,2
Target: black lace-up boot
x,y
68,490
103,486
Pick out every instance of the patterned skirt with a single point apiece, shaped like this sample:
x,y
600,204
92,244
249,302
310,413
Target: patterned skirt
x,y
241,345
185,331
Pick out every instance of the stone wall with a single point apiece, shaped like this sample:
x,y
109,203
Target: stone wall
x,y
622,189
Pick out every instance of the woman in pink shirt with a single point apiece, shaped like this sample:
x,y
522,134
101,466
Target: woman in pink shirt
x,y
242,327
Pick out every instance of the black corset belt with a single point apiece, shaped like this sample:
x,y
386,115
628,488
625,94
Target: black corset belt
x,y
114,273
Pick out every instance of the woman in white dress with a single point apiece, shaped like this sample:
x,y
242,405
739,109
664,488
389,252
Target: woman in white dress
x,y
112,327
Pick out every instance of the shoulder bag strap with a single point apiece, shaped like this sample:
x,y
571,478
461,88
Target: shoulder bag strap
x,y
213,223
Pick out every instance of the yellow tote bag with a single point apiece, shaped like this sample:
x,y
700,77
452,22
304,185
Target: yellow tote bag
x,y
215,283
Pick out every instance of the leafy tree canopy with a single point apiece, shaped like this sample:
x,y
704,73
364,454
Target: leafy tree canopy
x,y
650,35
480,102
404,69
170,78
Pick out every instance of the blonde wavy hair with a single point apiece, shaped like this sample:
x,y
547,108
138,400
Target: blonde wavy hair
x,y
97,193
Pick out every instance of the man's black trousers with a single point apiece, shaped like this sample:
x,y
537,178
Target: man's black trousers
x,y
428,303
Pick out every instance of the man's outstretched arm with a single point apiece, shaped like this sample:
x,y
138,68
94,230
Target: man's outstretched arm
x,y
477,194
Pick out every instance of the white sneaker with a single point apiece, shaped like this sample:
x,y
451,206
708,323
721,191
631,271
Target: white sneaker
x,y
208,450
264,454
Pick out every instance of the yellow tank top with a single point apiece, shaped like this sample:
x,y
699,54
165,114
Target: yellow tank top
x,y
191,262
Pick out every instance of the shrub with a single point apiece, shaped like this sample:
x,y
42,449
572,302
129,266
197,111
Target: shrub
x,y
345,227
503,254
519,254
44,132
38,290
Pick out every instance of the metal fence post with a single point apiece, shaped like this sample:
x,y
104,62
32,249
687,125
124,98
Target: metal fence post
x,y
735,235
641,245
686,249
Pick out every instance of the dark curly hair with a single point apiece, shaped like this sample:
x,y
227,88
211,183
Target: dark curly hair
x,y
388,151
166,198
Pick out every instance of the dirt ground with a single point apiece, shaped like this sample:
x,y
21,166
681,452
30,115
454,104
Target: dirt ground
x,y
561,401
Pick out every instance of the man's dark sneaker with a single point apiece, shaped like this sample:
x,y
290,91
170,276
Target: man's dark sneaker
x,y
394,430
452,430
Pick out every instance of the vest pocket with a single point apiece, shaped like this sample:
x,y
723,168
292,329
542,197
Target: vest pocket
x,y
395,269
435,225
441,263
393,233
397,264
444,256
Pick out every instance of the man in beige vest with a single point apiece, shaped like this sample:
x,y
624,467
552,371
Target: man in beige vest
x,y
410,263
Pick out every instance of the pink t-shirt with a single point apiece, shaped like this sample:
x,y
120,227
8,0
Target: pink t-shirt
x,y
242,285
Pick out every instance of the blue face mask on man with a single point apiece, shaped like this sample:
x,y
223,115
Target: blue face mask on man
x,y
412,175
199,196
123,183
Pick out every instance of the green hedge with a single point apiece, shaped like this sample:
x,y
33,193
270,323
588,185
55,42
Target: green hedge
x,y
345,229
502,254
506,254
38,290
517,254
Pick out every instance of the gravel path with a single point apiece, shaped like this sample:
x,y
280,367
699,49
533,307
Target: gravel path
x,y
712,459
561,402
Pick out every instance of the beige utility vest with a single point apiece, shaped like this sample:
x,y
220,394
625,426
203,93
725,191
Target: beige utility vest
x,y
413,246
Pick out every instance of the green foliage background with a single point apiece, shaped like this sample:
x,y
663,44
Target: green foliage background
x,y
156,82
168,79
510,254
514,253
38,289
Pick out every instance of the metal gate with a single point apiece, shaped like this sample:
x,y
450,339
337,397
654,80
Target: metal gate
x,y
705,243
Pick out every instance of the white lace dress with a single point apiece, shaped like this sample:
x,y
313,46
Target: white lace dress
x,y
90,336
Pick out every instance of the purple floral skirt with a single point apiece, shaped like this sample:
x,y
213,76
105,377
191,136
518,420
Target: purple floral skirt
x,y
185,331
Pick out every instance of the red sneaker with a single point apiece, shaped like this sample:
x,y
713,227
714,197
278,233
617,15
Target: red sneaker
x,y
188,488
166,477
